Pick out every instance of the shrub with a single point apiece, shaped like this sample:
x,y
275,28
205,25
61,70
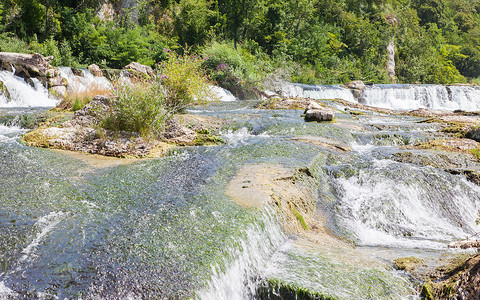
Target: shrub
x,y
184,80
138,107
145,106
225,61
11,43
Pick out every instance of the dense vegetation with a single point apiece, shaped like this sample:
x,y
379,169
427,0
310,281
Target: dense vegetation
x,y
323,41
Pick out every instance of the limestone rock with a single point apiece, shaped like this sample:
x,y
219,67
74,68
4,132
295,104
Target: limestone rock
x,y
357,88
356,85
92,113
95,70
59,90
312,105
137,68
175,132
319,115
35,65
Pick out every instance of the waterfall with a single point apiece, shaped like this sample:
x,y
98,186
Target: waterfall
x,y
402,96
23,94
400,205
84,83
325,92
239,277
411,96
222,94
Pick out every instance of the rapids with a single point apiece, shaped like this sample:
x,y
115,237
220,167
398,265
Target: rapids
x,y
165,228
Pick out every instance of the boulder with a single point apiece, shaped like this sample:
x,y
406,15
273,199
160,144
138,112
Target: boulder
x,y
312,105
319,115
32,64
95,70
92,113
175,132
357,88
355,85
137,69
59,90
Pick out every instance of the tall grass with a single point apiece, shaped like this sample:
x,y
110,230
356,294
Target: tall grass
x,y
76,99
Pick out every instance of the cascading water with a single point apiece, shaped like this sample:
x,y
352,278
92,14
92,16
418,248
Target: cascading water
x,y
400,205
222,94
22,94
87,82
402,96
410,96
165,228
239,275
326,92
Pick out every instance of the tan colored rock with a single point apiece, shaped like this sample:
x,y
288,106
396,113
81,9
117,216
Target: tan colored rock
x,y
176,133
319,115
95,70
137,68
58,90
312,105
356,84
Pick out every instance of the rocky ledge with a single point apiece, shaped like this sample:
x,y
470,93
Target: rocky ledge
x,y
81,132
36,66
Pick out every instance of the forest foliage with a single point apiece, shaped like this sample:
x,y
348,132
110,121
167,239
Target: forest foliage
x,y
308,41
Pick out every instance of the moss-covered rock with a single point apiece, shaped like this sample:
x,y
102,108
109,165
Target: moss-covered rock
x,y
276,290
4,91
459,279
407,263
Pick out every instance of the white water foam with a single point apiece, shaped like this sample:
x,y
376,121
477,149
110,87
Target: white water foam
x,y
326,92
410,96
5,292
10,133
240,136
84,83
45,224
222,94
24,95
244,263
401,96
399,205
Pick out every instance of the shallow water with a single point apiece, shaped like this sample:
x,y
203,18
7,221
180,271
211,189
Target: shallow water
x,y
164,228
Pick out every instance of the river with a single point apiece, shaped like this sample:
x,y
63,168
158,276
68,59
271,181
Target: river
x,y
166,229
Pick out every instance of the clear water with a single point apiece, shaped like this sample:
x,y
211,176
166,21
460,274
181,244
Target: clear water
x,y
164,228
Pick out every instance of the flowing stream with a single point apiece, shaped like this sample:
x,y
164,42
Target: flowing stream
x,y
166,229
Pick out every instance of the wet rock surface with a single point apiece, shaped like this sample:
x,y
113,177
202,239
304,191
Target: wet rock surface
x,y
35,66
